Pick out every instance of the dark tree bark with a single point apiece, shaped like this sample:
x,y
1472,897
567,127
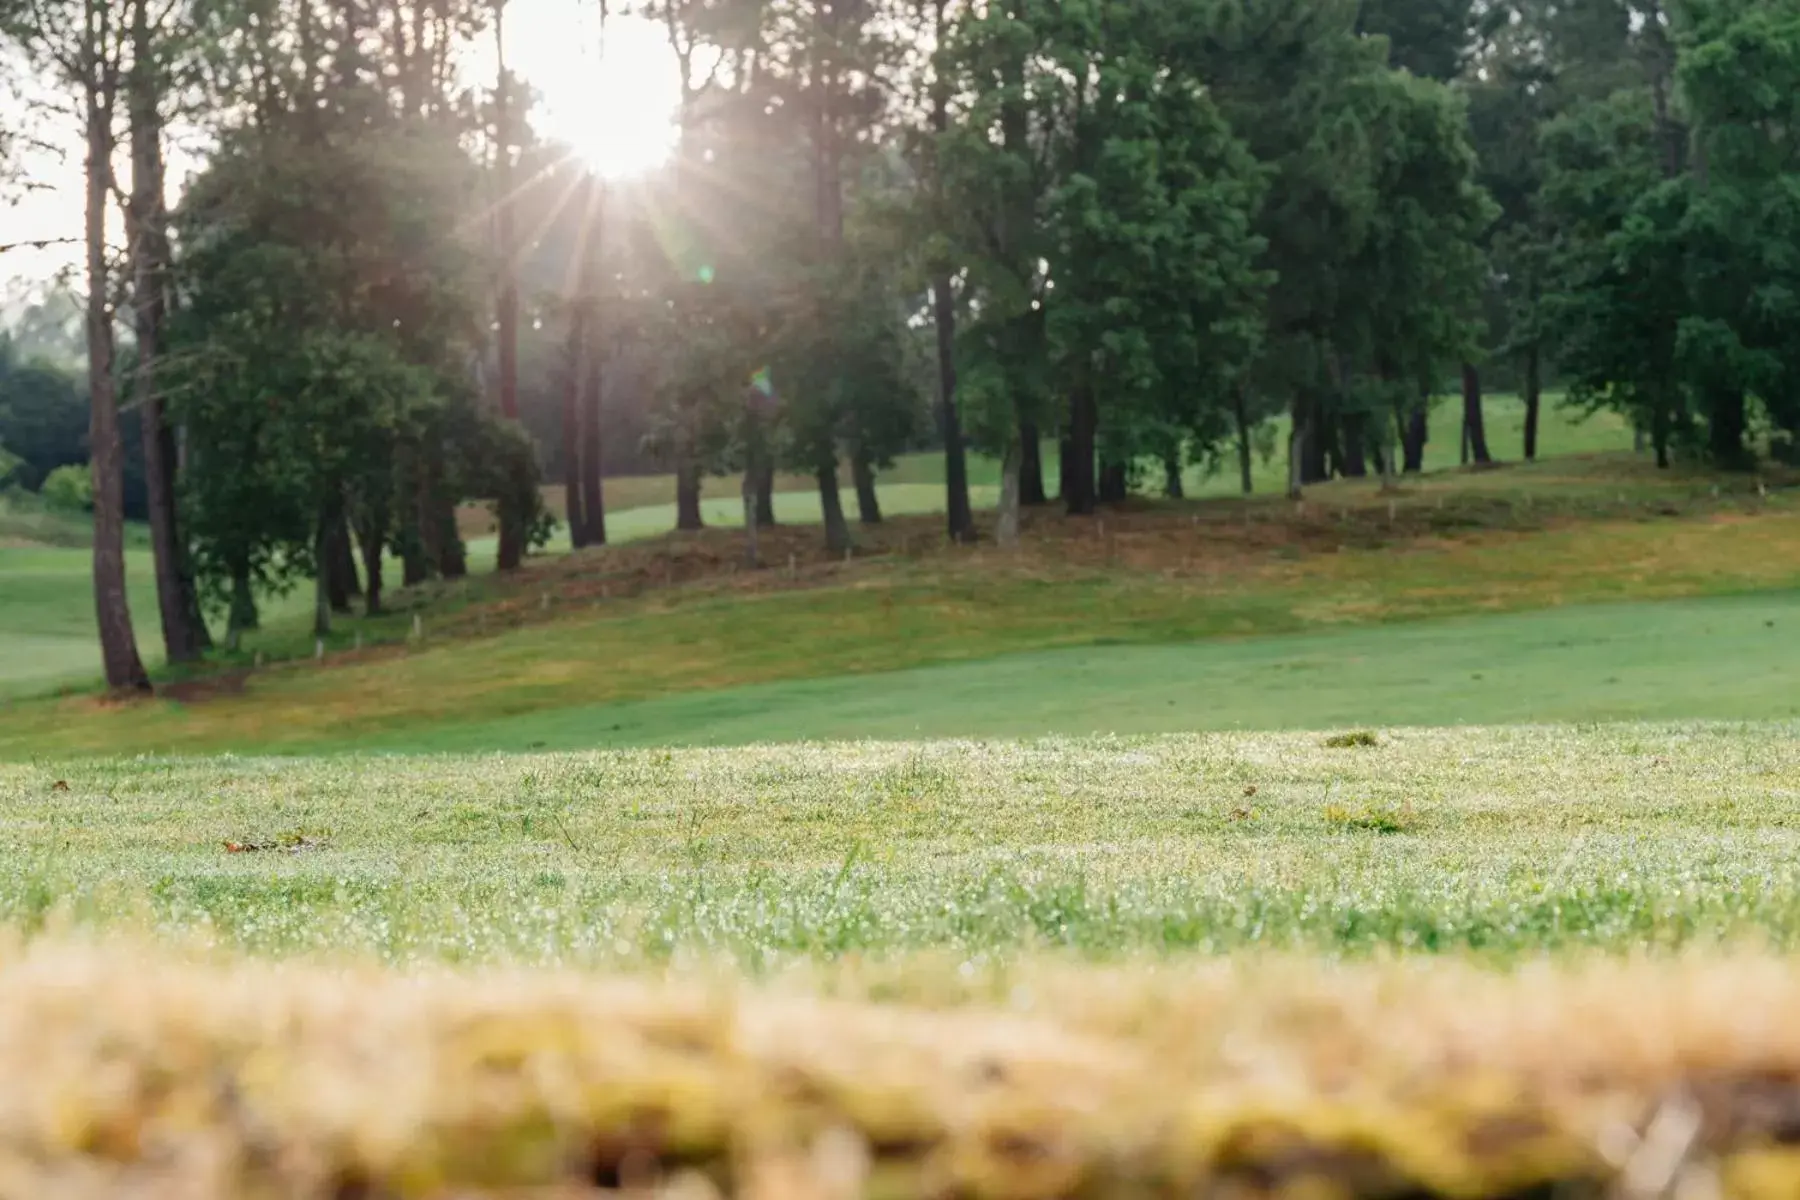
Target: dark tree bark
x,y
1064,459
1082,497
1533,400
1660,429
687,495
1472,418
593,498
1413,438
512,528
765,496
1031,466
959,515
1172,486
1726,426
1353,452
868,502
452,557
118,642
831,504
571,426
414,568
182,633
242,614
1243,442
1114,483
326,598
337,561
371,536
1308,444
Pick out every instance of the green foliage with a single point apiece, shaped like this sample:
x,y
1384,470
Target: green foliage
x,y
43,411
69,489
325,323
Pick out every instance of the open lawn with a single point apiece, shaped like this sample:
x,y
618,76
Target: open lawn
x,y
1499,841
907,970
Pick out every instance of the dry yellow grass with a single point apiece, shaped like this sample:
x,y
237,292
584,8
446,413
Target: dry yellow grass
x,y
1614,1079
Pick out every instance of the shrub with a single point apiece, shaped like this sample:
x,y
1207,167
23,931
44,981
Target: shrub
x,y
69,489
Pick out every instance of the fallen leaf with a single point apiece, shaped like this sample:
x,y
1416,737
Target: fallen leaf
x,y
61,785
1250,789
1242,814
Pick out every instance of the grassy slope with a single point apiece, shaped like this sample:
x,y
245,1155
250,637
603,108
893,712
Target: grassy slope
x,y
894,615
46,614
1715,659
1501,841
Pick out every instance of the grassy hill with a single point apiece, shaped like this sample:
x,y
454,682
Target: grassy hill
x,y
46,618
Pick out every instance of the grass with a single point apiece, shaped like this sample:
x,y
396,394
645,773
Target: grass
x,y
1502,842
766,657
1277,1079
1461,900
45,610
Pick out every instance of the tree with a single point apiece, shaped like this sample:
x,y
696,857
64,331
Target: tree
x,y
321,349
83,43
148,81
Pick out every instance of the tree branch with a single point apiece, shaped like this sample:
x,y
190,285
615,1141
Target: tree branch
x,y
39,244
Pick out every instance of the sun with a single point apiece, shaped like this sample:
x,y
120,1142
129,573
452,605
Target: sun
x,y
611,96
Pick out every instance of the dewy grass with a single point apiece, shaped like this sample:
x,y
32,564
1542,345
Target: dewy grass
x,y
1493,842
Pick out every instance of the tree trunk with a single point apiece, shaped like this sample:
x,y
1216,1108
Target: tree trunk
x,y
831,504
337,562
1114,485
765,496
1312,444
243,614
1533,399
1659,431
593,498
868,502
453,556
149,263
372,537
1297,454
1172,486
1726,427
1354,451
1243,442
752,518
112,608
1080,497
1031,466
1416,434
959,514
688,518
325,600
1006,528
1472,418
512,530
571,426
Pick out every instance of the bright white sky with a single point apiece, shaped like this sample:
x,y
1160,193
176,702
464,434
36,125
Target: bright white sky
x,y
612,101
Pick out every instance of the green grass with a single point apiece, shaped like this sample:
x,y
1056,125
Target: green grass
x,y
47,615
1489,841
1716,659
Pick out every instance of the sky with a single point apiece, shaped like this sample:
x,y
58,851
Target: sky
x,y
612,101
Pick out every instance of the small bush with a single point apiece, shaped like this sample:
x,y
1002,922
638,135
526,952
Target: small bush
x,y
1351,740
69,489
